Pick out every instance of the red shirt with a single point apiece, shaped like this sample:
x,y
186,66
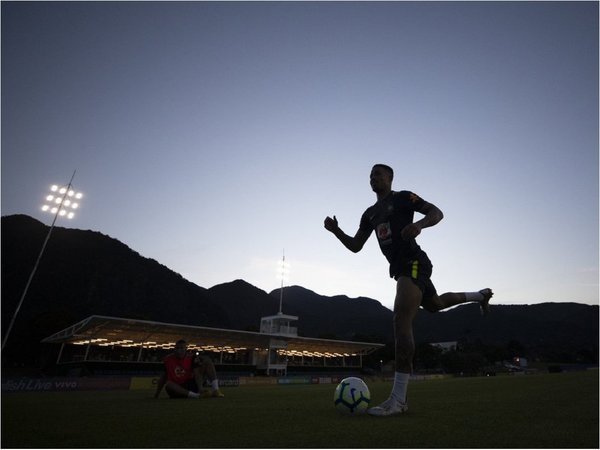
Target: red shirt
x,y
180,370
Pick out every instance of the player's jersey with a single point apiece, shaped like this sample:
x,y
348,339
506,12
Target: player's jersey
x,y
387,218
180,370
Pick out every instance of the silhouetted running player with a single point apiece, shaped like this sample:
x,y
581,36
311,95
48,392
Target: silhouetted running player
x,y
392,220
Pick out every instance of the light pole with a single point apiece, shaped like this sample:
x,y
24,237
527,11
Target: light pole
x,y
283,272
61,201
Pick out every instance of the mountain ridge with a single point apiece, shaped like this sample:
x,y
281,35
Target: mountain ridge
x,y
85,273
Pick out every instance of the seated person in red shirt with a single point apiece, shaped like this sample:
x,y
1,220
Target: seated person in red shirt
x,y
183,374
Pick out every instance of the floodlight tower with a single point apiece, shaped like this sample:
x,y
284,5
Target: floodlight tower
x,y
61,201
278,326
283,272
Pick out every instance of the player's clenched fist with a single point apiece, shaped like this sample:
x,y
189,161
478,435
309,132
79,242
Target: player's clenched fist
x,y
331,224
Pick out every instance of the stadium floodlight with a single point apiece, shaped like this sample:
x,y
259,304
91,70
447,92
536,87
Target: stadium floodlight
x,y
283,270
283,274
61,201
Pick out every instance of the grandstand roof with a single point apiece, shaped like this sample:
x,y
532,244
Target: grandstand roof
x,y
116,331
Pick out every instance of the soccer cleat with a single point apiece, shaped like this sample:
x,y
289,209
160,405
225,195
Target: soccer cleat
x,y
217,394
211,393
388,408
484,304
205,393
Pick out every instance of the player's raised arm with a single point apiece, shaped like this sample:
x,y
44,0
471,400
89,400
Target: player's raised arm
x,y
354,244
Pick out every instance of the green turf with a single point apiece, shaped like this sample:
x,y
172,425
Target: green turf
x,y
549,411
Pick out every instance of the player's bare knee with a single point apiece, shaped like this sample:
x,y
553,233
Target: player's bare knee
x,y
432,304
431,307
204,360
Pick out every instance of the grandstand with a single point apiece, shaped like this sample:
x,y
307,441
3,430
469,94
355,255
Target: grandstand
x,y
101,345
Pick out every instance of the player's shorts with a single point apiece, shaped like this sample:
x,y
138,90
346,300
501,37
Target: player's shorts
x,y
419,271
190,385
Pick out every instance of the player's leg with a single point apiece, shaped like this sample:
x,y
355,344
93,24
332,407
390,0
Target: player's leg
x,y
436,303
406,306
175,390
207,368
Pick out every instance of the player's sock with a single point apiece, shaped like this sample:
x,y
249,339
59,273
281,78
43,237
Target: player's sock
x,y
400,386
214,384
474,296
192,394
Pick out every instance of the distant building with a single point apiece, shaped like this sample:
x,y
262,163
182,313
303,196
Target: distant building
x,y
517,364
113,345
520,361
274,359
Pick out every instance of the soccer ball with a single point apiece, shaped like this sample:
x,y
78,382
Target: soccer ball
x,y
351,396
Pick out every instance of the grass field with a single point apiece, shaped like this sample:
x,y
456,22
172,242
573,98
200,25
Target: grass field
x,y
549,411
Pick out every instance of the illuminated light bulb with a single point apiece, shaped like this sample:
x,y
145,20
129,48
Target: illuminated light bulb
x,y
63,197
62,212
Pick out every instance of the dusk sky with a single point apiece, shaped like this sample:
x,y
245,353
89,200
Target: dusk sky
x,y
210,136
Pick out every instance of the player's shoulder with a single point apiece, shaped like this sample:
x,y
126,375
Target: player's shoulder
x,y
370,208
407,196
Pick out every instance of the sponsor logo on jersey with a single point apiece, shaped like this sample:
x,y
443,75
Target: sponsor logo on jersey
x,y
384,232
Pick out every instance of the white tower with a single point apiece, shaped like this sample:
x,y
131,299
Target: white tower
x,y
279,327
